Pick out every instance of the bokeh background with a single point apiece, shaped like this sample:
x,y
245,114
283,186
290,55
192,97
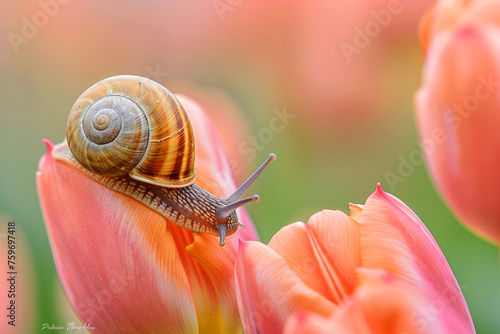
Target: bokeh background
x,y
348,124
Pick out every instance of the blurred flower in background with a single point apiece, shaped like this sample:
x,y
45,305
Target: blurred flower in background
x,y
124,268
458,109
327,59
451,14
378,270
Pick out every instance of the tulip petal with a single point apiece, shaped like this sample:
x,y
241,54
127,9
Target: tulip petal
x,y
304,322
355,210
117,260
328,236
382,304
216,298
393,238
443,14
338,235
459,100
450,14
268,290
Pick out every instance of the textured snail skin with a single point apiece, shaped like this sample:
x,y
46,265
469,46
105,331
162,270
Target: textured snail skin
x,y
190,207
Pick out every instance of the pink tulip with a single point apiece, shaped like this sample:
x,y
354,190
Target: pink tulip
x,y
457,110
376,271
452,14
124,268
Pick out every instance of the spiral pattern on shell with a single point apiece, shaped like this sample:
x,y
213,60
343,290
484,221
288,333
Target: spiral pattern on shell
x,y
132,125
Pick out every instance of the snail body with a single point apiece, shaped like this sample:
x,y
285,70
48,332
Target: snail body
x,y
132,135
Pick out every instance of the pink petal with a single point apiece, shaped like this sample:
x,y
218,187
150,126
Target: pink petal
x,y
304,322
325,252
268,290
451,14
112,254
457,112
382,304
393,238
214,267
355,210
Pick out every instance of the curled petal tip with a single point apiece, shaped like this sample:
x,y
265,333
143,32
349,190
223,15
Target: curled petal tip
x,y
355,209
379,190
46,157
49,145
241,243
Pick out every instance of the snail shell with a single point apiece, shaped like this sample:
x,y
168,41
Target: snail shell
x,y
133,136
132,125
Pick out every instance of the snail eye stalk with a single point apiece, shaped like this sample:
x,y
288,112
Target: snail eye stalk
x,y
235,200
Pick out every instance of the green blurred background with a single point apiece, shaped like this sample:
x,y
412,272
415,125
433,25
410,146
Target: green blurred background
x,y
352,123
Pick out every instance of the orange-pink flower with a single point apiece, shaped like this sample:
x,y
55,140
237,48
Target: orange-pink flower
x,y
376,271
452,14
124,268
457,110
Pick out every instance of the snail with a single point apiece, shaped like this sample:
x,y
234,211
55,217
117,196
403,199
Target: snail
x,y
132,135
